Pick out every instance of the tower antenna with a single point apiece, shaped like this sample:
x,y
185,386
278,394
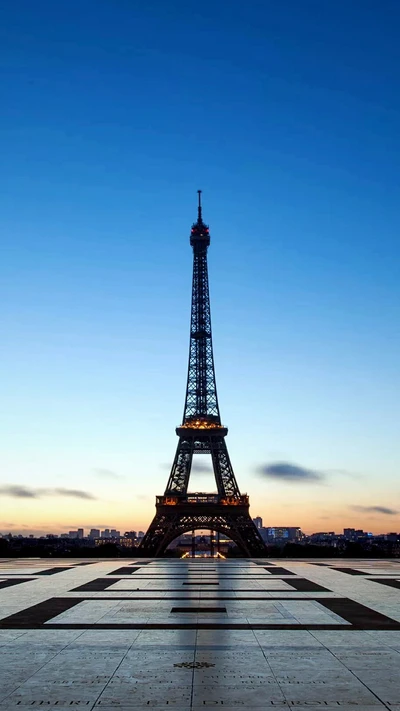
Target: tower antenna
x,y
200,219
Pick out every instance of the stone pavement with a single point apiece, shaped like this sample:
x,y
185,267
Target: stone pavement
x,y
193,634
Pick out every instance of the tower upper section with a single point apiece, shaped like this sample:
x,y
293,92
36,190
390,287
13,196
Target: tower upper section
x,y
200,234
201,402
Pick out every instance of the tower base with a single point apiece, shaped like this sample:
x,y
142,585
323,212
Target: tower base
x,y
178,515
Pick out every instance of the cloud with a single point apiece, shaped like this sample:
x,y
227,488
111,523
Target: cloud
x,y
375,509
343,472
18,492
200,467
76,493
289,472
24,492
107,473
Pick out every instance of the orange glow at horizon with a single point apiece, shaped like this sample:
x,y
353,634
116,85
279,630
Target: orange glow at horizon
x,y
38,516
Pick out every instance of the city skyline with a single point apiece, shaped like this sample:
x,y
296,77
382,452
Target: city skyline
x,y
87,530
103,124
271,535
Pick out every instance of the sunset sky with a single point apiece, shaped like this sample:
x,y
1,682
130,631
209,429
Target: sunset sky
x,y
286,114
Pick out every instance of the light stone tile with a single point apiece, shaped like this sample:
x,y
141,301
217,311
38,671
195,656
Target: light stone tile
x,y
128,695
244,695
286,638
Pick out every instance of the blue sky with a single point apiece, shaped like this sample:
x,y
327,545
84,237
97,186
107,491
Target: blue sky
x,y
113,115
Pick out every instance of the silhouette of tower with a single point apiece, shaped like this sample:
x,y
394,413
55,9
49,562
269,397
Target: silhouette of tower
x,y
201,431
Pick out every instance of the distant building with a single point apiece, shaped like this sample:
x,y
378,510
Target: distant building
x,y
327,537
353,533
141,534
258,522
73,534
109,534
81,533
129,540
94,533
281,534
393,537
349,532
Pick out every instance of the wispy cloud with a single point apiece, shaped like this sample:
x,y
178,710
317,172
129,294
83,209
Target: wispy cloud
x,y
199,467
285,471
375,509
77,493
22,526
24,492
18,492
343,472
106,473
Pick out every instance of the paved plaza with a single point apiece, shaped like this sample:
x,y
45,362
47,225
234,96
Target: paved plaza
x,y
200,633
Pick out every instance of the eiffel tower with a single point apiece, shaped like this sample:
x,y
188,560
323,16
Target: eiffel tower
x,y
201,431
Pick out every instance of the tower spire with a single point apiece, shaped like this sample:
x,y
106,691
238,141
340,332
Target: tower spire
x,y
199,215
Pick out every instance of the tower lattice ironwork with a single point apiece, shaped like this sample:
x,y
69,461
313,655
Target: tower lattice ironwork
x,y
201,431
